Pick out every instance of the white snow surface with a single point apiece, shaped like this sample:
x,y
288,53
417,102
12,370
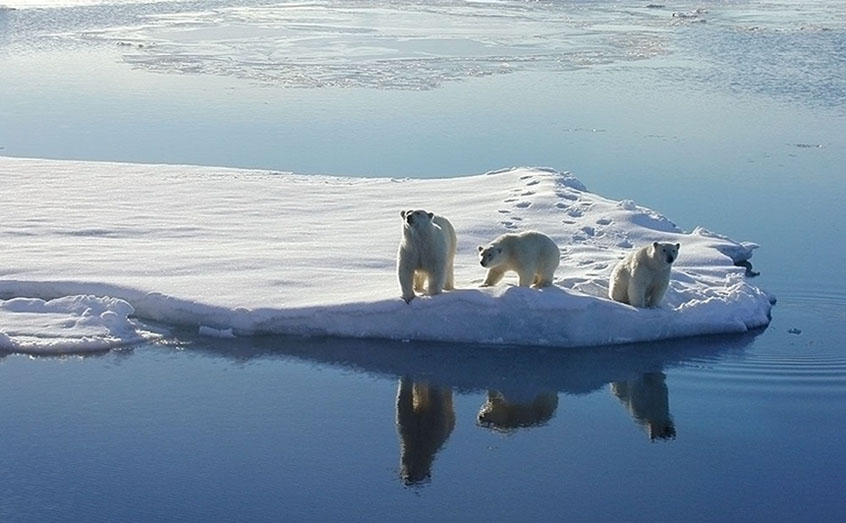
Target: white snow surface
x,y
242,252
69,324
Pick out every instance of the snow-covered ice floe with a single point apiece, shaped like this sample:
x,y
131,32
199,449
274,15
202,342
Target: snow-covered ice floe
x,y
68,324
237,252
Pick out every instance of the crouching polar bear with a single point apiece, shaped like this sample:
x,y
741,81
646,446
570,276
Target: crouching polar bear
x,y
642,277
426,251
531,254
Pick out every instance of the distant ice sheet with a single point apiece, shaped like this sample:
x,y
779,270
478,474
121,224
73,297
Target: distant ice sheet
x,y
237,252
404,44
53,4
786,50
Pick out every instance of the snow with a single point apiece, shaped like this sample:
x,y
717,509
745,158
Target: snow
x,y
234,252
68,324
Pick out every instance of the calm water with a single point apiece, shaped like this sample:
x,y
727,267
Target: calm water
x,y
735,123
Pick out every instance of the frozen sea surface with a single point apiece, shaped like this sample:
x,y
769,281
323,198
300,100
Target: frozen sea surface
x,y
408,44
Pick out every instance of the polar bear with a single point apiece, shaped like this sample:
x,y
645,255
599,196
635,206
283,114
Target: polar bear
x,y
531,254
642,277
427,251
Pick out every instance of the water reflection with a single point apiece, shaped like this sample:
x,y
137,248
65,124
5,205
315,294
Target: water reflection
x,y
425,419
513,410
521,385
648,401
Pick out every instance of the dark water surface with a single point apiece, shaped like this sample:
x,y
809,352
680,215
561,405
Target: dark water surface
x,y
736,124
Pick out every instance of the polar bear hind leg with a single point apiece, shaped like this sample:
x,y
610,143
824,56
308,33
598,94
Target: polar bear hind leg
x,y
545,274
527,275
544,278
636,293
437,279
450,274
619,289
419,280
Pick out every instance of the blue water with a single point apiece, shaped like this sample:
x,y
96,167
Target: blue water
x,y
735,123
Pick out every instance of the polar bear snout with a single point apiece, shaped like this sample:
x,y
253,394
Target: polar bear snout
x,y
416,218
486,256
671,252
408,217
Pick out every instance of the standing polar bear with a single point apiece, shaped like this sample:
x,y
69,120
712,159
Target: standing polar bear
x,y
642,277
427,251
531,254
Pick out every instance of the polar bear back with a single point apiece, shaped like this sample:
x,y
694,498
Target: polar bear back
x,y
530,247
449,235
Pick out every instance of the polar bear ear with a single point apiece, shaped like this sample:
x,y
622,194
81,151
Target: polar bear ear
x,y
678,246
654,245
480,248
431,215
402,214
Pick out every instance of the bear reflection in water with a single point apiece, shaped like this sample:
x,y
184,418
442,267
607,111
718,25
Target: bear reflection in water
x,y
647,400
508,412
523,386
425,419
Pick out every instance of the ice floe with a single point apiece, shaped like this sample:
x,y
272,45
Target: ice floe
x,y
68,324
239,252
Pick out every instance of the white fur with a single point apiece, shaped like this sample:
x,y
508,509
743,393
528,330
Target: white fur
x,y
532,255
427,251
642,277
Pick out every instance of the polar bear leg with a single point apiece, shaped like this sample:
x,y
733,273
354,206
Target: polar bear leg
x,y
544,277
619,289
658,290
494,276
637,293
405,275
527,276
437,278
450,274
419,280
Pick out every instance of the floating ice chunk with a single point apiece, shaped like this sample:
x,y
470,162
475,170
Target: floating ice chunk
x,y
68,324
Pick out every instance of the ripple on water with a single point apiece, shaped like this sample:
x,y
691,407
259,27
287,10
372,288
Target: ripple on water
x,y
780,360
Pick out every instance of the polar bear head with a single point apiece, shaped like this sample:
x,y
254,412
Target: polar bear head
x,y
666,253
416,219
490,256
